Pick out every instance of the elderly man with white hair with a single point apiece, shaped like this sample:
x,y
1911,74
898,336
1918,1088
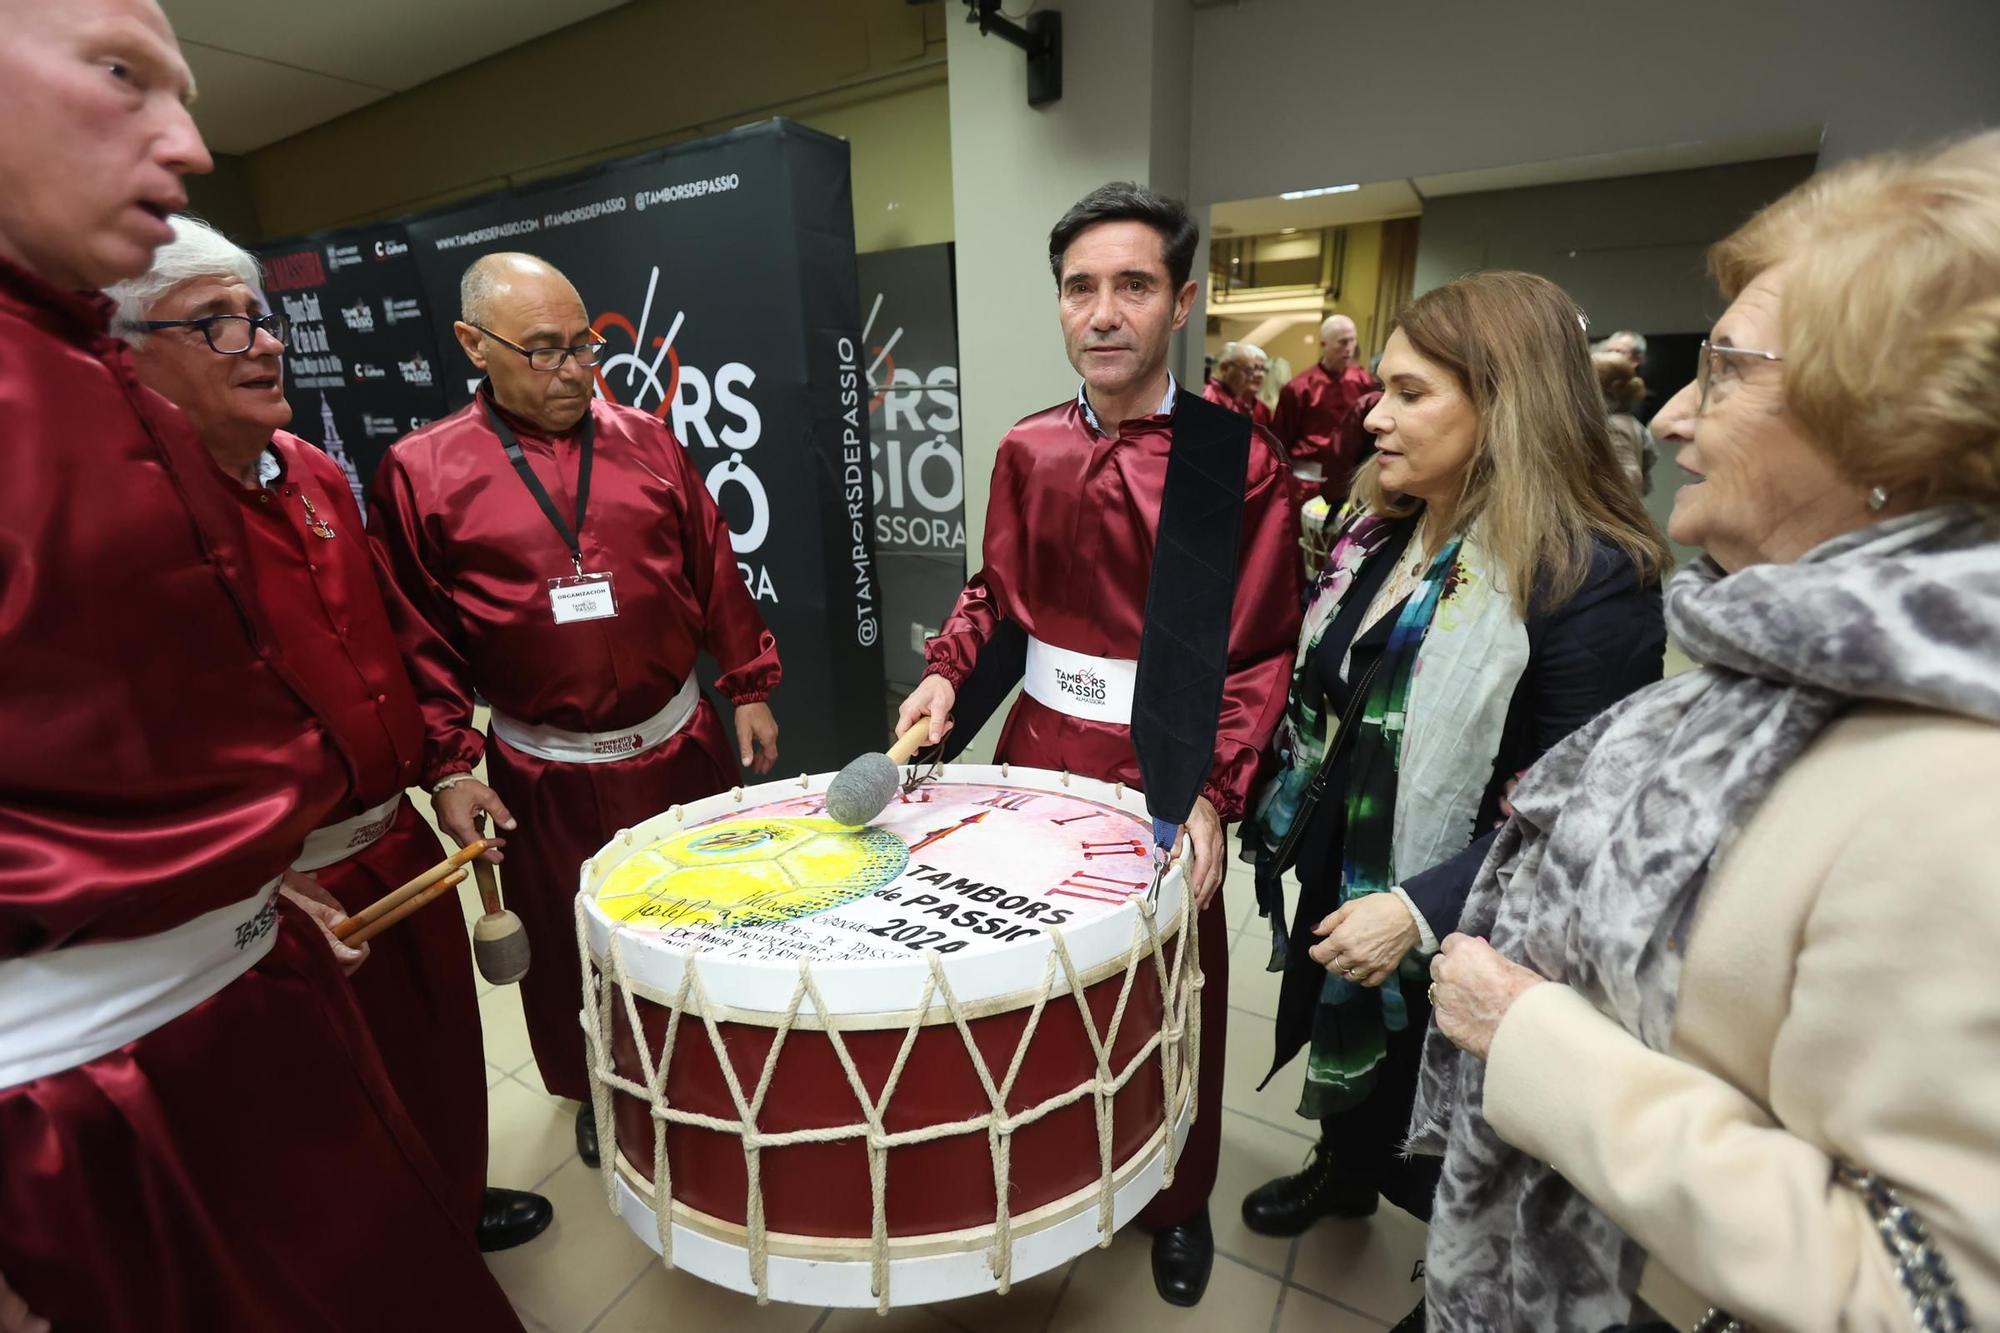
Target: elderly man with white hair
x,y
203,340
1320,413
1239,373
1627,344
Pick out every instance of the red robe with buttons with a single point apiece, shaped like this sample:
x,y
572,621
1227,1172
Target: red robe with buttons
x,y
469,554
316,579
245,1165
1319,421
1068,554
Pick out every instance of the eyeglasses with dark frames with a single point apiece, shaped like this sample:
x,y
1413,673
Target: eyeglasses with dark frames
x,y
1713,357
231,335
551,359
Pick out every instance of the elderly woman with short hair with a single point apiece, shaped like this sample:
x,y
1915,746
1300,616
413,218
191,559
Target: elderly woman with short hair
x,y
1725,999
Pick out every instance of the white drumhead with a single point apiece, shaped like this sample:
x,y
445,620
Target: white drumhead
x,y
983,866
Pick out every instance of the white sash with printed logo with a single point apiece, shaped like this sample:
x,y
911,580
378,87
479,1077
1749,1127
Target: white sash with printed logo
x,y
337,842
600,747
66,1007
1096,689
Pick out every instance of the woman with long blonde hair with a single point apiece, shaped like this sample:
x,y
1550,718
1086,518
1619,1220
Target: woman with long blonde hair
x,y
1495,585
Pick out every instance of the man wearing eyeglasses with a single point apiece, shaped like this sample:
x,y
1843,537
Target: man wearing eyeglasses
x,y
558,555
202,340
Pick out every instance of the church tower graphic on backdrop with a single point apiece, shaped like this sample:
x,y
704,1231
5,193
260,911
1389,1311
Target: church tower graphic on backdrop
x,y
330,441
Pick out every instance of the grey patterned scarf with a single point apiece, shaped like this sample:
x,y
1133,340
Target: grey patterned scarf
x,y
1595,880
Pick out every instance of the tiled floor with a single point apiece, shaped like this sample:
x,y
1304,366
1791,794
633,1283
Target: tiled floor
x,y
588,1272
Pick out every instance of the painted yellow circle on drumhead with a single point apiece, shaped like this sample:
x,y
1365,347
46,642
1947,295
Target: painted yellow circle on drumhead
x,y
750,872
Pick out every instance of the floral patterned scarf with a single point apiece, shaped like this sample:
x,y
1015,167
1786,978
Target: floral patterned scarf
x,y
1413,785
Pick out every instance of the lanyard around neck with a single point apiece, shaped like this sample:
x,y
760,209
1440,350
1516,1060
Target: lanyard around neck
x,y
570,535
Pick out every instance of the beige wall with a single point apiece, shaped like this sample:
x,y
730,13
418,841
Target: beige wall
x,y
901,150
642,76
225,200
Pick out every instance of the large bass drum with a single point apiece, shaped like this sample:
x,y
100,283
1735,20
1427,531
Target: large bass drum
x,y
890,1065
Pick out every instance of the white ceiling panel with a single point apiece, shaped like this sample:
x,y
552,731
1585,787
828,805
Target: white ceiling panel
x,y
1259,217
268,70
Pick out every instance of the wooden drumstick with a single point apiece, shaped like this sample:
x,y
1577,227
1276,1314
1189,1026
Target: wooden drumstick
x,y
396,897
499,940
910,742
369,930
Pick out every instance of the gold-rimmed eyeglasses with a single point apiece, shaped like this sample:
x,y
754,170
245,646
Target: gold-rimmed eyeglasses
x,y
1715,358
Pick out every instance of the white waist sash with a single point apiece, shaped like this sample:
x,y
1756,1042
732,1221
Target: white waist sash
x,y
337,842
65,1008
599,747
1096,689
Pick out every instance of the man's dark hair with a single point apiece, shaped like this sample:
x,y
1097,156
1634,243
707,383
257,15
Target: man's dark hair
x,y
1123,201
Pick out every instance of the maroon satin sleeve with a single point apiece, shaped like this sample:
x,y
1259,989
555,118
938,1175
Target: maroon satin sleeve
x,y
157,760
981,606
410,572
1263,632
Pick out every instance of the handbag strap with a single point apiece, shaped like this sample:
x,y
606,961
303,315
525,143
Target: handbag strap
x,y
1920,1267
1288,848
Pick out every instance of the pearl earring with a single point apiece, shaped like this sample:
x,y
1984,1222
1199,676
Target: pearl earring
x,y
1877,497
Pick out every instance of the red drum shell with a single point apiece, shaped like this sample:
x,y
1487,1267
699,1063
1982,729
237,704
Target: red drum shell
x,y
822,1189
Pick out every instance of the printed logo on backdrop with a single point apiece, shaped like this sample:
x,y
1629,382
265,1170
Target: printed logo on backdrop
x,y
396,310
339,257
359,317
310,361
708,408
919,482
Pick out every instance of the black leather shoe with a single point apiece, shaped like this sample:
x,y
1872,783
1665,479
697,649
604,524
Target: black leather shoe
x,y
1288,1205
586,1134
1182,1259
1413,1322
512,1217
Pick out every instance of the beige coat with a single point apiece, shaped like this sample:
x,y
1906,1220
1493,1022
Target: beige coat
x,y
1841,997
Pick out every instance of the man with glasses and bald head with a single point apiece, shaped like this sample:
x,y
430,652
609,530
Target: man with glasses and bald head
x,y
558,555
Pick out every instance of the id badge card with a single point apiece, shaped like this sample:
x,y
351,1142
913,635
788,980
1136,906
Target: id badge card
x,y
582,597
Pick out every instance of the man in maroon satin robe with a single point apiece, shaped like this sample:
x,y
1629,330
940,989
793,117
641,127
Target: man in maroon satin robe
x,y
195,1130
1239,375
577,617
203,341
1070,533
1319,418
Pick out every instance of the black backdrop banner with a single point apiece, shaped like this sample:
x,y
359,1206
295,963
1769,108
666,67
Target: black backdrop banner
x,y
722,273
911,336
362,367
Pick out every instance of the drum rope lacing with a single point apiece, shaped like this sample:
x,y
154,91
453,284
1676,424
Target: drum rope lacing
x,y
1180,1017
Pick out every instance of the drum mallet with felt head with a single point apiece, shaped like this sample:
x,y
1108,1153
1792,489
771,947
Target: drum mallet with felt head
x,y
865,787
499,942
